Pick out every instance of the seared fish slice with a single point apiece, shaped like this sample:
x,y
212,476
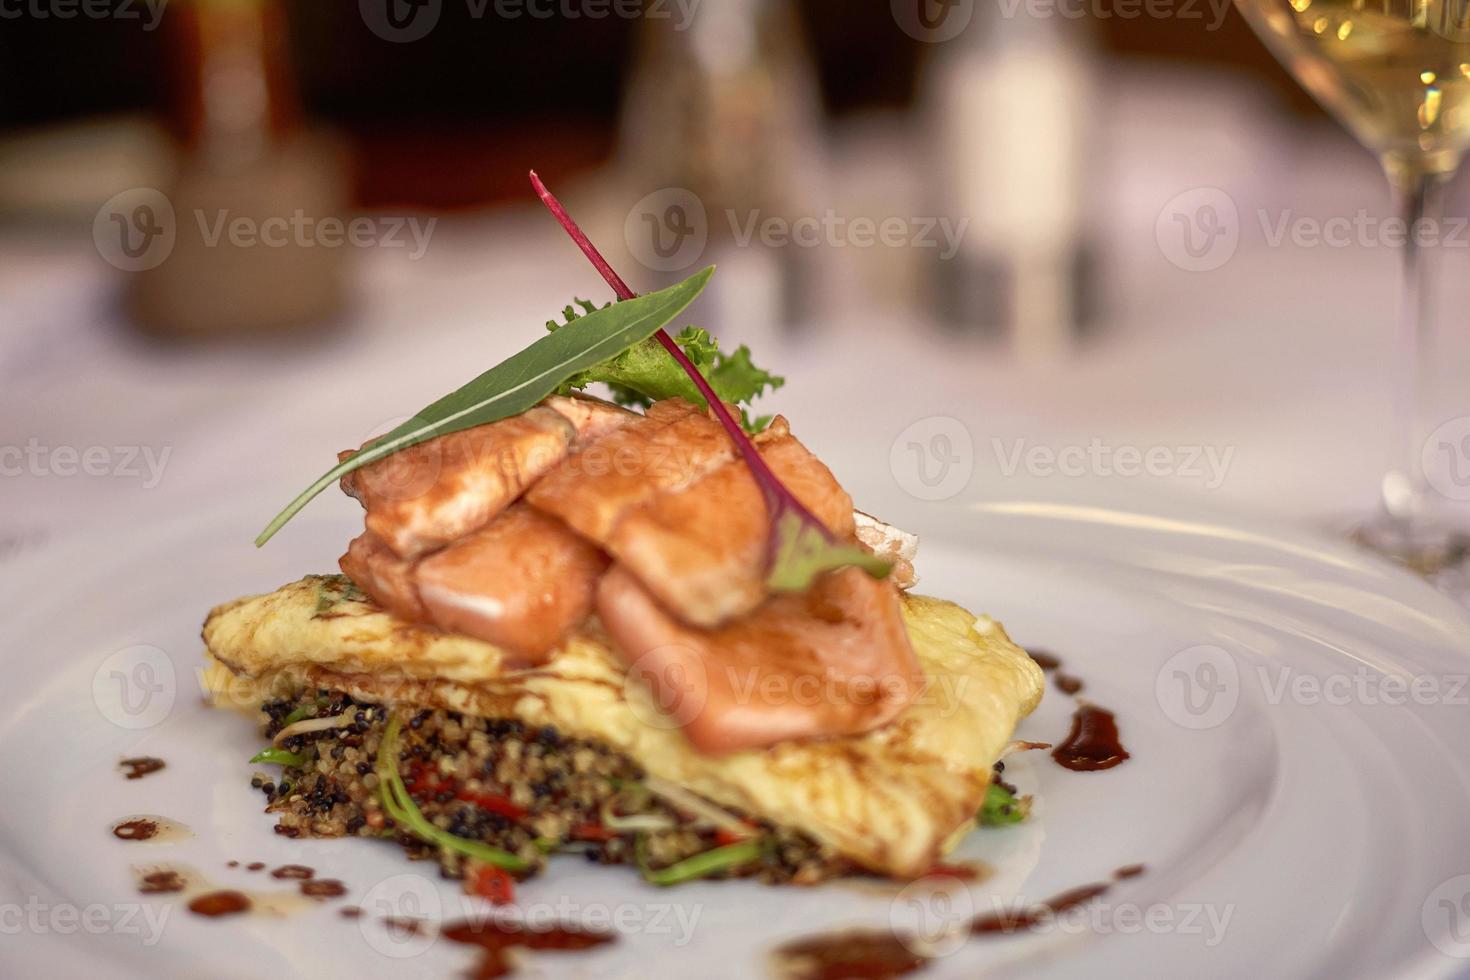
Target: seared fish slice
x,y
834,660
431,494
667,449
702,551
524,582
388,579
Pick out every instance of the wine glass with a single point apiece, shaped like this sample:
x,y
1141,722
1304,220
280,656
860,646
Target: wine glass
x,y
1396,73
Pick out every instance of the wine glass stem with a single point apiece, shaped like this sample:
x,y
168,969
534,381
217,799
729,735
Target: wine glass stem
x,y
1419,196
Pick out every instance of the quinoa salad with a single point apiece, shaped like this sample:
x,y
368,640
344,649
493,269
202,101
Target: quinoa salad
x,y
522,793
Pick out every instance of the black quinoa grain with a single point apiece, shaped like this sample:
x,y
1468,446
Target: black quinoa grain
x,y
561,782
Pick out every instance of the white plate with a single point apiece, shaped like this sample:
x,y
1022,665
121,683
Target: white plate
x,y
1286,833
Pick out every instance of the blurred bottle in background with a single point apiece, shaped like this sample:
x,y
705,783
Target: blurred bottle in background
x,y
1008,105
720,135
245,161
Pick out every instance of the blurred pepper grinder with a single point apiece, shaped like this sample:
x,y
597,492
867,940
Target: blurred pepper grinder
x,y
1008,105
252,188
720,140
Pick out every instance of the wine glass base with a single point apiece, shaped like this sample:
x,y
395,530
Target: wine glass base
x,y
1436,552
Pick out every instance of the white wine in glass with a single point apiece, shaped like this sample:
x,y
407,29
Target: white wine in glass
x,y
1396,73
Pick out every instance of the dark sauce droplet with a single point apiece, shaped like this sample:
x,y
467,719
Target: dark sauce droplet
x,y
494,938
1015,921
215,904
141,766
1129,871
161,882
1046,660
323,888
294,872
350,912
255,866
1093,743
865,954
1066,683
858,954
137,829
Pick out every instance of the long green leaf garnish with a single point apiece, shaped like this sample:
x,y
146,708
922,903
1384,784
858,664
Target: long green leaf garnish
x,y
517,384
407,815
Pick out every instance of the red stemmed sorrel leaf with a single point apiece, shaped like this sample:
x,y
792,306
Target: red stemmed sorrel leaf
x,y
800,547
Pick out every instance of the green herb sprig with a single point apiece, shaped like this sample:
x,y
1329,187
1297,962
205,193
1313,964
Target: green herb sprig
x,y
1001,807
644,373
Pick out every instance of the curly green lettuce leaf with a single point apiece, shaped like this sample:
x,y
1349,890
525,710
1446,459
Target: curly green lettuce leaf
x,y
644,373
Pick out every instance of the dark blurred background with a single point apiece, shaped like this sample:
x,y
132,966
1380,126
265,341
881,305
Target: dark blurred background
x,y
455,118
1067,222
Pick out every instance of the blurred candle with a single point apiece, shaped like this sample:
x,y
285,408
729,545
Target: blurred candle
x,y
1008,103
245,161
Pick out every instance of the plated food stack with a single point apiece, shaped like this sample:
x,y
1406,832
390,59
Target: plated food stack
x,y
565,614
650,637
514,532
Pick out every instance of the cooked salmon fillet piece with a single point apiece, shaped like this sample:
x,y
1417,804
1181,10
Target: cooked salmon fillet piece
x,y
428,495
385,577
667,449
702,550
834,660
524,582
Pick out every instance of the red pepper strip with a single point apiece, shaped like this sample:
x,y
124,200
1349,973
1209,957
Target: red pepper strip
x,y
493,884
423,785
724,835
592,832
952,871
